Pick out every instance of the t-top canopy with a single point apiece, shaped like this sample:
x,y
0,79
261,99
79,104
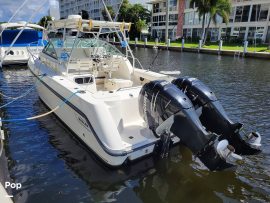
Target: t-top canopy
x,y
87,25
20,25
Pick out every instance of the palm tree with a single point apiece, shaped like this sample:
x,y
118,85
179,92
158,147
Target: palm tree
x,y
44,21
203,8
222,9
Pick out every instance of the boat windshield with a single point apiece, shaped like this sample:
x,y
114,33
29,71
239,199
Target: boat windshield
x,y
72,44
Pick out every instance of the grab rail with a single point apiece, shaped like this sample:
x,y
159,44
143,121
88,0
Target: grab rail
x,y
136,59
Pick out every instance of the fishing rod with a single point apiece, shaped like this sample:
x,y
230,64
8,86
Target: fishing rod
x,y
154,60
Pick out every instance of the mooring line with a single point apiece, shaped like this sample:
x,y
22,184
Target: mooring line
x,y
22,95
44,114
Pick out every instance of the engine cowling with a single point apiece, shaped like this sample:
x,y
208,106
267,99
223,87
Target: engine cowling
x,y
166,109
214,118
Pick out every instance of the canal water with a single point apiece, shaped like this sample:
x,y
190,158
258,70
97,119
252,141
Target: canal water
x,y
52,166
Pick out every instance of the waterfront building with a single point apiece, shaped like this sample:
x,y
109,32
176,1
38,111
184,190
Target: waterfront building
x,y
144,3
93,7
249,20
158,20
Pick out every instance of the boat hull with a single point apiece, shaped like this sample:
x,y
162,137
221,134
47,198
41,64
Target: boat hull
x,y
18,55
76,120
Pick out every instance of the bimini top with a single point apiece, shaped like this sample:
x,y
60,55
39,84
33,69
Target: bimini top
x,y
20,25
87,25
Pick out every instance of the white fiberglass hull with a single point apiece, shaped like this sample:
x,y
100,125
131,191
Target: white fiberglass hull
x,y
82,123
71,118
17,55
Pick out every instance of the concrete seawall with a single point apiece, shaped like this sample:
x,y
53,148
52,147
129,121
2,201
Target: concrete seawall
x,y
260,55
4,176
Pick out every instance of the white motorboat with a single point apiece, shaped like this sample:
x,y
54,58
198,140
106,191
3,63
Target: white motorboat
x,y
15,51
121,112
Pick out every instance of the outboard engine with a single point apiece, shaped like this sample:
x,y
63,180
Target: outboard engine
x,y
167,110
214,118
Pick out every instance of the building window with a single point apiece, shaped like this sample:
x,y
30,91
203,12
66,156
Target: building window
x,y
196,20
264,12
189,18
231,18
156,8
189,32
245,14
255,12
161,18
238,14
242,13
242,32
214,35
225,33
184,32
255,32
196,33
268,35
235,31
155,18
173,17
173,2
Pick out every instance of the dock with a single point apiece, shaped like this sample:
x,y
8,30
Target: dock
x,y
5,195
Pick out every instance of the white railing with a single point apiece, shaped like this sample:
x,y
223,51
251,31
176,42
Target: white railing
x,y
33,50
136,60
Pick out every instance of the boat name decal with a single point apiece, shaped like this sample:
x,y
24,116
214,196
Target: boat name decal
x,y
83,122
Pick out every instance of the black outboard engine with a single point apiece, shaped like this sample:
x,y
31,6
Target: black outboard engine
x,y
214,118
167,110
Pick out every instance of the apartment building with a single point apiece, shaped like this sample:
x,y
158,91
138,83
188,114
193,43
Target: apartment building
x,y
158,21
249,19
94,7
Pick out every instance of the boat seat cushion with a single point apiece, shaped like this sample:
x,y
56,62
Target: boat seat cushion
x,y
115,84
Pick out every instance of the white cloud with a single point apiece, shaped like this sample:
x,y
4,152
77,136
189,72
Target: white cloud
x,y
8,8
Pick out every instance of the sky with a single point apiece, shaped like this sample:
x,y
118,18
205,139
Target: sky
x,y
9,7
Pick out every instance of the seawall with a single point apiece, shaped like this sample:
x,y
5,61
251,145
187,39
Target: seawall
x,y
260,55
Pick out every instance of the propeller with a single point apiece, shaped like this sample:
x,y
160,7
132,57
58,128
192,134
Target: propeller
x,y
226,151
254,140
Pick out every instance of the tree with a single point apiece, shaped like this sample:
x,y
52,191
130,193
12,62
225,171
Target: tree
x,y
123,12
134,13
222,9
44,21
111,11
84,14
140,25
203,8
